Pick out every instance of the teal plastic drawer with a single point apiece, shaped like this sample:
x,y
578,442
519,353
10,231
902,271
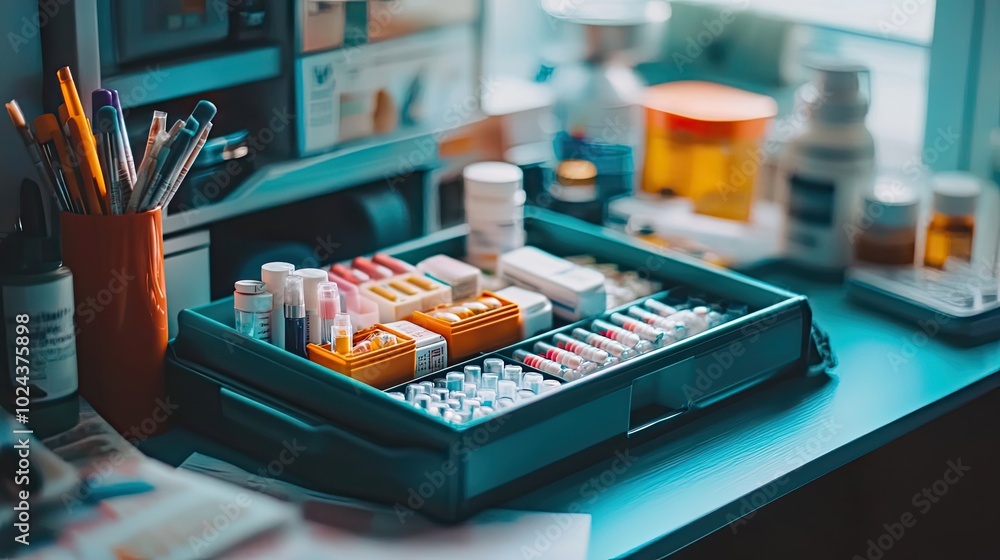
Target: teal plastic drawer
x,y
362,443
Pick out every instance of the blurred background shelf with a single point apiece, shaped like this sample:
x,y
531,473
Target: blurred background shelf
x,y
163,82
291,181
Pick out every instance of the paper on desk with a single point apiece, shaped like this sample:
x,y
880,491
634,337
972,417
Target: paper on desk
x,y
186,516
363,531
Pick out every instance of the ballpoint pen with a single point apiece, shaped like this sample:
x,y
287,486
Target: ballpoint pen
x,y
151,161
126,145
34,152
115,174
169,168
159,123
53,141
192,156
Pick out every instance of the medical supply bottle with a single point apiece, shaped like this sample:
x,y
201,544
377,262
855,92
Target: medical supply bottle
x,y
952,225
37,333
252,303
886,232
494,209
828,167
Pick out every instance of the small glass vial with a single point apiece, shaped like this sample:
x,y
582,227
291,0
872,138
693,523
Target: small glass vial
x,y
343,334
887,229
952,225
252,303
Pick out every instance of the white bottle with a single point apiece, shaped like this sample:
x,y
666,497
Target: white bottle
x,y
494,209
828,167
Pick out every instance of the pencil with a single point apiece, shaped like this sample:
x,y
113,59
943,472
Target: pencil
x,y
51,134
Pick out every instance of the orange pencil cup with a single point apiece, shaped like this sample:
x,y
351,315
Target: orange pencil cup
x,y
121,317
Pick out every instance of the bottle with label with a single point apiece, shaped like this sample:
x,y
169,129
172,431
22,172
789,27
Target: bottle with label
x,y
829,166
37,334
253,305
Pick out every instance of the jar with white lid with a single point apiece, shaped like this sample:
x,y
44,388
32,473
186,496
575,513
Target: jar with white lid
x,y
494,210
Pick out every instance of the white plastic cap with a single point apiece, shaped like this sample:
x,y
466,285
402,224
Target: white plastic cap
x,y
956,193
251,296
311,278
250,287
492,179
892,204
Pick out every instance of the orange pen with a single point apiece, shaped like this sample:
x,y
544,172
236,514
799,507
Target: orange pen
x,y
72,98
47,130
94,190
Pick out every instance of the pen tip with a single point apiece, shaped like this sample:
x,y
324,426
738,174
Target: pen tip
x,y
204,111
107,119
14,110
64,74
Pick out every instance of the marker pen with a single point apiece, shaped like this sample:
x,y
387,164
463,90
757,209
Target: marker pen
x,y
329,306
582,349
295,316
610,346
273,275
343,334
311,279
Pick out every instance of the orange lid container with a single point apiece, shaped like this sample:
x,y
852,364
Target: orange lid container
x,y
485,332
382,368
708,110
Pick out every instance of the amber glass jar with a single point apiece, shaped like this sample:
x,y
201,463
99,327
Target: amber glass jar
x,y
887,230
953,222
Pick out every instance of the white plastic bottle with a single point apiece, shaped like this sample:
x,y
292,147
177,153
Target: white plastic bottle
x,y
494,209
828,167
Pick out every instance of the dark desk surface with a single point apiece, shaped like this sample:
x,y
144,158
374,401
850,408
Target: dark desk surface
x,y
679,488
